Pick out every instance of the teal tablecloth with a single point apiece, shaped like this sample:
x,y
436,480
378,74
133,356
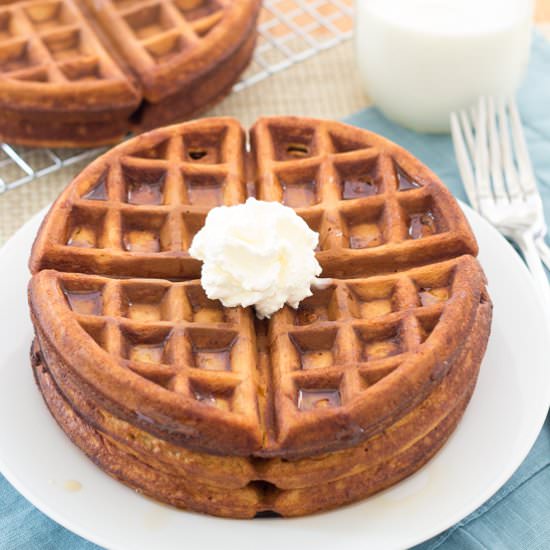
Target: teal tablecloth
x,y
518,516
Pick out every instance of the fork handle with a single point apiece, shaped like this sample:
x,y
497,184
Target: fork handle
x,y
528,247
544,251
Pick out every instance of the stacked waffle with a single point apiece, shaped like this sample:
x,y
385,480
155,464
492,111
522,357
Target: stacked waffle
x,y
85,72
211,409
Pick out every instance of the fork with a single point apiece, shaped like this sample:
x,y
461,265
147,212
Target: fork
x,y
501,185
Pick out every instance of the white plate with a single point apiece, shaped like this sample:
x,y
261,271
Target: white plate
x,y
500,425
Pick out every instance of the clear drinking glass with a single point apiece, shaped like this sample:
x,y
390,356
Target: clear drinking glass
x,y
421,59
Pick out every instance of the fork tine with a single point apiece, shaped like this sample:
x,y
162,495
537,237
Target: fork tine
x,y
510,173
481,158
467,131
462,157
495,160
473,112
526,176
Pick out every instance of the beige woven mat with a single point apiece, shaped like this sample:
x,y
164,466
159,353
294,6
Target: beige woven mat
x,y
324,86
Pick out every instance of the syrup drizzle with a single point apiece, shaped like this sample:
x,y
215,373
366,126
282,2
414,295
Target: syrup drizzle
x,y
356,188
147,353
204,193
141,241
318,399
82,237
299,195
422,225
99,191
85,302
405,182
213,359
145,193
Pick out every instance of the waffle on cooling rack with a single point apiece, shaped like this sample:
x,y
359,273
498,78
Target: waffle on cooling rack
x,y
86,72
207,407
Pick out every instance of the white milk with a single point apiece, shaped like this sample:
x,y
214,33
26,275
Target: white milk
x,y
421,59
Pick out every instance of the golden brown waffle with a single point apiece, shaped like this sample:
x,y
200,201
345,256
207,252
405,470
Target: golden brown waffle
x,y
235,472
85,72
177,476
376,207
377,361
336,350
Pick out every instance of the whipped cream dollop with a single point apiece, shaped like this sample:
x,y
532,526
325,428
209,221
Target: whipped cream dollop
x,y
257,253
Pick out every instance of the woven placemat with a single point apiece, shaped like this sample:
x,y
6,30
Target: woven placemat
x,y
325,86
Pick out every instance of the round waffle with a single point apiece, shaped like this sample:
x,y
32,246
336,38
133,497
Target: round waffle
x,y
211,409
85,72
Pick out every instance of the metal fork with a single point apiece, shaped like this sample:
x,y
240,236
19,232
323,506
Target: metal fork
x,y
501,185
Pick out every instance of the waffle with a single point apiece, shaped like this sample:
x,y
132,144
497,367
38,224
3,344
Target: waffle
x,y
213,410
79,73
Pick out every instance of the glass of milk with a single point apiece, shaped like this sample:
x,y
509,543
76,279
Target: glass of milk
x,y
421,59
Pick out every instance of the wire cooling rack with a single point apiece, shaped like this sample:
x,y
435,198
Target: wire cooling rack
x,y
289,32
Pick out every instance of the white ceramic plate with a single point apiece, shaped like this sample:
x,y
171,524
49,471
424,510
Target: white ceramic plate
x,y
500,425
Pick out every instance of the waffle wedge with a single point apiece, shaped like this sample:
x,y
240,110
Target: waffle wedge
x,y
211,409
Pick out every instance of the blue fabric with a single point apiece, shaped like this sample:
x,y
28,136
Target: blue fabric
x,y
518,516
